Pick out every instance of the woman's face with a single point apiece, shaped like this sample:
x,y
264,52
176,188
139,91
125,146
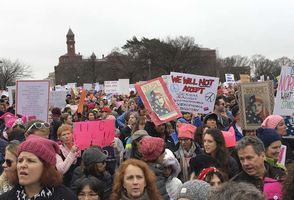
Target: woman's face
x,y
69,120
134,181
88,193
66,137
167,171
215,181
91,117
132,120
282,128
159,100
209,144
29,169
273,150
211,123
258,107
100,166
186,143
9,165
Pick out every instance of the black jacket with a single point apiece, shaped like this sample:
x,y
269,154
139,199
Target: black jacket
x,y
271,172
60,193
160,181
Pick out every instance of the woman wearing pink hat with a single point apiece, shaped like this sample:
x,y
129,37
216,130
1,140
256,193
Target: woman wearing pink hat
x,y
36,172
277,122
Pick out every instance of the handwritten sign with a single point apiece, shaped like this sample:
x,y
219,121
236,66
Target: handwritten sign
x,y
32,98
230,78
193,93
88,86
111,87
57,99
284,102
123,86
99,133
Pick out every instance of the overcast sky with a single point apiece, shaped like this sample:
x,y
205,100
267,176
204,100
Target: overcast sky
x,y
33,31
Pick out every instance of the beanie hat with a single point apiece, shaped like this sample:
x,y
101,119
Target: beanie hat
x,y
210,116
139,134
93,155
194,190
267,136
106,109
200,162
271,121
151,148
186,130
43,148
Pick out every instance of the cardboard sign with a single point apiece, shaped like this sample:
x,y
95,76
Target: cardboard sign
x,y
123,86
57,99
244,78
193,93
230,78
157,99
284,102
111,87
99,133
32,98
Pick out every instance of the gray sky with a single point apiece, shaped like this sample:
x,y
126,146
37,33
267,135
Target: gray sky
x,y
33,31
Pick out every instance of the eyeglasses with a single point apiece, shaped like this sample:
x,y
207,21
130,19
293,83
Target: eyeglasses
x,y
8,162
39,125
89,195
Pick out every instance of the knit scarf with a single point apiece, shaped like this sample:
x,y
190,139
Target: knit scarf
x,y
143,197
185,159
44,193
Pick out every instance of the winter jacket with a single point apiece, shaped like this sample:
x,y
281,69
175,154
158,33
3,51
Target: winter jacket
x,y
160,180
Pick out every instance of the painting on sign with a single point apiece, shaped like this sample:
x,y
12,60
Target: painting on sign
x,y
158,101
256,103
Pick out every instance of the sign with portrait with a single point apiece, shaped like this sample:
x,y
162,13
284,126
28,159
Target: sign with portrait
x,y
157,99
193,93
284,104
256,103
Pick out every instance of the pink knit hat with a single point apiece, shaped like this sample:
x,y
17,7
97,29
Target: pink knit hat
x,y
186,131
41,147
271,121
151,148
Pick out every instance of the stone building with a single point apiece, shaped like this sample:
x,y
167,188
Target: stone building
x,y
72,67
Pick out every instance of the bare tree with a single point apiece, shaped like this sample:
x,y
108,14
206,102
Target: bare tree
x,y
10,71
236,61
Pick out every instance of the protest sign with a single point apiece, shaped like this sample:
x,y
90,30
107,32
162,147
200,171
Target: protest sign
x,y
11,93
244,78
230,138
230,78
256,103
32,98
282,155
82,100
57,99
284,102
88,86
97,87
59,88
99,133
123,86
193,93
158,101
111,87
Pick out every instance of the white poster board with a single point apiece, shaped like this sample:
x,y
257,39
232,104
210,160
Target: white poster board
x,y
32,98
111,87
123,86
230,78
284,102
11,93
193,93
97,87
88,86
57,99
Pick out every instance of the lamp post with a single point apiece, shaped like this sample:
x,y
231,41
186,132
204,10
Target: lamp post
x,y
149,67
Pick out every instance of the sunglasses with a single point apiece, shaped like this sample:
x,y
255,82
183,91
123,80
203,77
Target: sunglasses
x,y
39,125
8,162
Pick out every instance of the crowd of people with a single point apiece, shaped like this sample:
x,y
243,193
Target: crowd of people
x,y
184,159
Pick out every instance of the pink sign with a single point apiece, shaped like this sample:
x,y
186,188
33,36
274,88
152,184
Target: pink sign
x,y
99,133
230,138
